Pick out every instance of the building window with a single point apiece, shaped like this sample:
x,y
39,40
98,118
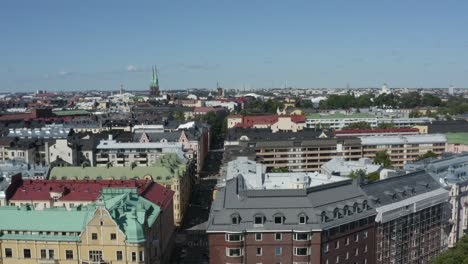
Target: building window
x,y
234,237
94,236
356,237
51,254
113,236
278,236
235,219
301,236
258,236
259,251
259,220
134,256
142,256
95,255
8,253
69,254
337,244
278,251
233,252
43,254
365,248
303,251
302,219
278,219
365,234
27,253
119,255
347,241
347,255
356,252
325,247
337,259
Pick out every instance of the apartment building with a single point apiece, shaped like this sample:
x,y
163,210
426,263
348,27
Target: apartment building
x,y
169,171
194,137
121,227
411,218
340,121
403,149
124,154
276,123
316,223
451,172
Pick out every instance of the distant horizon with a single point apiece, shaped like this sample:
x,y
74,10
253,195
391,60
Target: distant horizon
x,y
48,45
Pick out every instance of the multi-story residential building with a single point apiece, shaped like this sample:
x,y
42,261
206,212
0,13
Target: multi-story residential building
x,y
403,148
376,132
169,171
340,121
338,166
450,172
71,194
194,137
411,218
62,150
299,151
308,150
313,223
276,123
120,154
121,227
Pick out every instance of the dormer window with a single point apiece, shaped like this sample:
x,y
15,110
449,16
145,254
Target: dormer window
x,y
278,219
345,210
324,217
364,205
302,219
259,220
235,219
355,208
336,213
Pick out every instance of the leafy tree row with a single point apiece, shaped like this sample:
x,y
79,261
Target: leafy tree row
x,y
410,100
456,255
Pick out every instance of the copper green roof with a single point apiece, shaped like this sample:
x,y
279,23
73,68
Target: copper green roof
x,y
457,138
51,220
131,211
164,170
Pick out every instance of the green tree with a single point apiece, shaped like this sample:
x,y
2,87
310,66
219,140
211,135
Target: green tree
x,y
373,176
359,172
358,125
179,115
386,125
382,157
280,169
456,255
427,155
414,114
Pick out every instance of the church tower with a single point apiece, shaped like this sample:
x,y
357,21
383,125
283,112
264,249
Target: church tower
x,y
154,86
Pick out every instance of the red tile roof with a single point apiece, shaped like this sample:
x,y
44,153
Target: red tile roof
x,y
88,190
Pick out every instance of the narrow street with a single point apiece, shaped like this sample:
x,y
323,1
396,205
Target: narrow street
x,y
191,240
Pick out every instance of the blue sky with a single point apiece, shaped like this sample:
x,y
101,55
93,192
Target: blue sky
x,y
80,45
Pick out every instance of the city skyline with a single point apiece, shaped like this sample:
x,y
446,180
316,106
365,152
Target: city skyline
x,y
65,46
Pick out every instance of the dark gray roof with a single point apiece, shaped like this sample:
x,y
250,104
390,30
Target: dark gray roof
x,y
158,136
447,126
399,188
290,203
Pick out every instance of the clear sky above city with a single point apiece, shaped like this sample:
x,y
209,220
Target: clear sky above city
x,y
81,45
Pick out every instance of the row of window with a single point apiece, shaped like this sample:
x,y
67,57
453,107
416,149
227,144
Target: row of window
x,y
326,246
337,260
261,219
239,252
94,236
94,255
237,237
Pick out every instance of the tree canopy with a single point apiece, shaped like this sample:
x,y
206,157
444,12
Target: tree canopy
x,y
358,125
427,155
456,255
382,157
